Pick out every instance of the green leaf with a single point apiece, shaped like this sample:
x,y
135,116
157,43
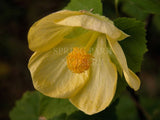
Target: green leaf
x,y
150,6
60,117
34,105
87,5
27,108
134,46
50,107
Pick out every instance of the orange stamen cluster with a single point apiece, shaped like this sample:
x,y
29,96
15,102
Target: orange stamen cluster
x,y
79,60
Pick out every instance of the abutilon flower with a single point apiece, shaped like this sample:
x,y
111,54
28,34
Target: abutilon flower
x,y
72,59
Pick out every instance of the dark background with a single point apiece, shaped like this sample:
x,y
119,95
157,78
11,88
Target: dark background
x,y
16,17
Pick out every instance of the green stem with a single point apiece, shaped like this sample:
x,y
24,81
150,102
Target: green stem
x,y
116,7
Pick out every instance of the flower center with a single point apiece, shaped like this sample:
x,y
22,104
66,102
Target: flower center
x,y
79,60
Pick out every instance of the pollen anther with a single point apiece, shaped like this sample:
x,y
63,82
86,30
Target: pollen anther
x,y
79,60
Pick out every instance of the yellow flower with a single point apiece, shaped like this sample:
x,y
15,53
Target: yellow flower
x,y
71,59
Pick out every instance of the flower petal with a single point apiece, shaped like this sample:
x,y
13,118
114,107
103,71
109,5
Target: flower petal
x,y
131,78
49,70
43,37
45,34
101,86
51,76
81,40
96,23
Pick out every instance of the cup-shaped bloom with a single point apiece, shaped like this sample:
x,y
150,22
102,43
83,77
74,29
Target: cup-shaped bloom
x,y
71,58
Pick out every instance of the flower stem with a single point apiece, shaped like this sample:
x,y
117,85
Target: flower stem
x,y
116,7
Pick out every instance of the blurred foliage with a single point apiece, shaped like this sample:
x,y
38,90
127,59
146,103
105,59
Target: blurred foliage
x,y
151,105
16,18
126,109
149,6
